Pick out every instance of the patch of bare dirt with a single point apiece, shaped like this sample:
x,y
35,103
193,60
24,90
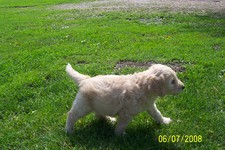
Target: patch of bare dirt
x,y
173,5
176,66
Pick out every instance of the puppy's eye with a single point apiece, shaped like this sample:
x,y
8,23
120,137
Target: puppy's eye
x,y
173,81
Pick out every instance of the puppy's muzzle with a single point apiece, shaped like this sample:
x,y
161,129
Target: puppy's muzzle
x,y
183,87
180,88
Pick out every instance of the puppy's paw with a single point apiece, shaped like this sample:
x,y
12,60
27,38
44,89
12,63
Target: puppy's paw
x,y
69,131
120,133
111,119
166,120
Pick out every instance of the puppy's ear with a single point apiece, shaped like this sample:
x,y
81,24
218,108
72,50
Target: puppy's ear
x,y
145,82
156,85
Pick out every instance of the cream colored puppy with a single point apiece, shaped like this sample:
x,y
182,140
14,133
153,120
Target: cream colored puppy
x,y
122,95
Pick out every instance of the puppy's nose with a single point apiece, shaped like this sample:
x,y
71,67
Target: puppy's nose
x,y
183,87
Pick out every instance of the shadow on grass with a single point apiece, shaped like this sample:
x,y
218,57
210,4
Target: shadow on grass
x,y
100,135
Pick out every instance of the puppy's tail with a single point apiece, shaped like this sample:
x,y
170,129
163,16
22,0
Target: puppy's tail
x,y
76,76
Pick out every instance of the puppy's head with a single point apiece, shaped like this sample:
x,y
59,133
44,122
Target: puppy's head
x,y
164,81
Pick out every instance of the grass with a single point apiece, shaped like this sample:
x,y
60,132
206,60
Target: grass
x,y
37,43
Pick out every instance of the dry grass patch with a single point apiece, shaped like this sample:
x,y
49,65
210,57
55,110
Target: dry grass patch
x,y
176,66
171,5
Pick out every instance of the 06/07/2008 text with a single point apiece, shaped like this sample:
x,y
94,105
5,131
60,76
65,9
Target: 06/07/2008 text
x,y
180,138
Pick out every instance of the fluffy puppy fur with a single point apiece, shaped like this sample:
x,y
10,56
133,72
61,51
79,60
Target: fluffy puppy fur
x,y
122,95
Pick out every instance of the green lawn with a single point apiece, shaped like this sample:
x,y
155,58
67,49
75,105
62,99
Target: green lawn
x,y
37,41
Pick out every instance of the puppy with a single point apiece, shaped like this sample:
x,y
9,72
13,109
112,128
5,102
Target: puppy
x,y
122,95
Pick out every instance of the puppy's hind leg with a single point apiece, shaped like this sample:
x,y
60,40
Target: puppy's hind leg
x,y
79,109
105,118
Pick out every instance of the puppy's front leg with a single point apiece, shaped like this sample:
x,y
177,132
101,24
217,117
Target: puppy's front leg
x,y
156,114
122,124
